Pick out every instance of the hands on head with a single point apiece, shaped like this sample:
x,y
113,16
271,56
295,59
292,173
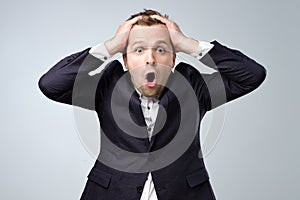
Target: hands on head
x,y
181,43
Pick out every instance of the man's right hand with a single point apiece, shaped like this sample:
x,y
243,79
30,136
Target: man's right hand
x,y
118,42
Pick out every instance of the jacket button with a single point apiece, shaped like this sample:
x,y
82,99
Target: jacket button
x,y
139,189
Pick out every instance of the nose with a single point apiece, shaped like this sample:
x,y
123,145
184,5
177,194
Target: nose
x,y
150,57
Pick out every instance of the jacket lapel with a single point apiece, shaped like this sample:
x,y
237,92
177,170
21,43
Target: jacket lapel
x,y
135,110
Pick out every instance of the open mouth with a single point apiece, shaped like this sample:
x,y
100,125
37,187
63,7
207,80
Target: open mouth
x,y
150,78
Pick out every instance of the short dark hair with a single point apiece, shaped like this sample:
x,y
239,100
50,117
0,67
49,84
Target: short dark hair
x,y
147,20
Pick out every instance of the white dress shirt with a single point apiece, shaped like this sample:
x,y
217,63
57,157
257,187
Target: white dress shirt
x,y
150,109
149,106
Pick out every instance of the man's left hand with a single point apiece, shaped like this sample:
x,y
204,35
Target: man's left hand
x,y
180,42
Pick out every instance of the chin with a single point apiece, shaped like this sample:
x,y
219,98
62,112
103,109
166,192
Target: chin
x,y
151,91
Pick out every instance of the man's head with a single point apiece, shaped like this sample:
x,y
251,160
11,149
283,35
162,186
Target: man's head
x,y
149,54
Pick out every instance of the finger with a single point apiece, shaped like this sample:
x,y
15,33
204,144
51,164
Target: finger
x,y
127,25
172,26
162,19
133,20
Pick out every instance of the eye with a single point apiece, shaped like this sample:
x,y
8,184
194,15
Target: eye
x,y
139,50
160,50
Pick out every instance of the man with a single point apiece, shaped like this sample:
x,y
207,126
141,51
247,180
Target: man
x,y
150,115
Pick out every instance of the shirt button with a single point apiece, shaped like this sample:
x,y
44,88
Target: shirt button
x,y
200,54
139,189
148,107
148,129
105,58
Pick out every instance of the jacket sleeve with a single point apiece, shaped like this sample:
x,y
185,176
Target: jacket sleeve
x,y
236,76
69,81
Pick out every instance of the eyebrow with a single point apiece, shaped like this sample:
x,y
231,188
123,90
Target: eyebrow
x,y
161,41
156,43
137,42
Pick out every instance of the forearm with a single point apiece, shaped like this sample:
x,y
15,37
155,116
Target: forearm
x,y
57,84
235,67
237,75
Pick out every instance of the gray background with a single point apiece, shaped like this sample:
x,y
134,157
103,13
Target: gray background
x,y
41,154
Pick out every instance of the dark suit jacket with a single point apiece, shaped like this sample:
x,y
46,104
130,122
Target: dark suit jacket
x,y
183,178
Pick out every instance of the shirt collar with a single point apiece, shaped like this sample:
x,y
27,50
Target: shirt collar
x,y
145,98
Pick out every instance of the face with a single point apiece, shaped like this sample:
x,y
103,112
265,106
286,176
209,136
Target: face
x,y
149,58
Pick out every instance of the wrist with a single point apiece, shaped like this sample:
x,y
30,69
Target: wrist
x,y
111,47
189,45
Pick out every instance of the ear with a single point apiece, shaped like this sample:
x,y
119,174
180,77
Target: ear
x,y
174,58
125,60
